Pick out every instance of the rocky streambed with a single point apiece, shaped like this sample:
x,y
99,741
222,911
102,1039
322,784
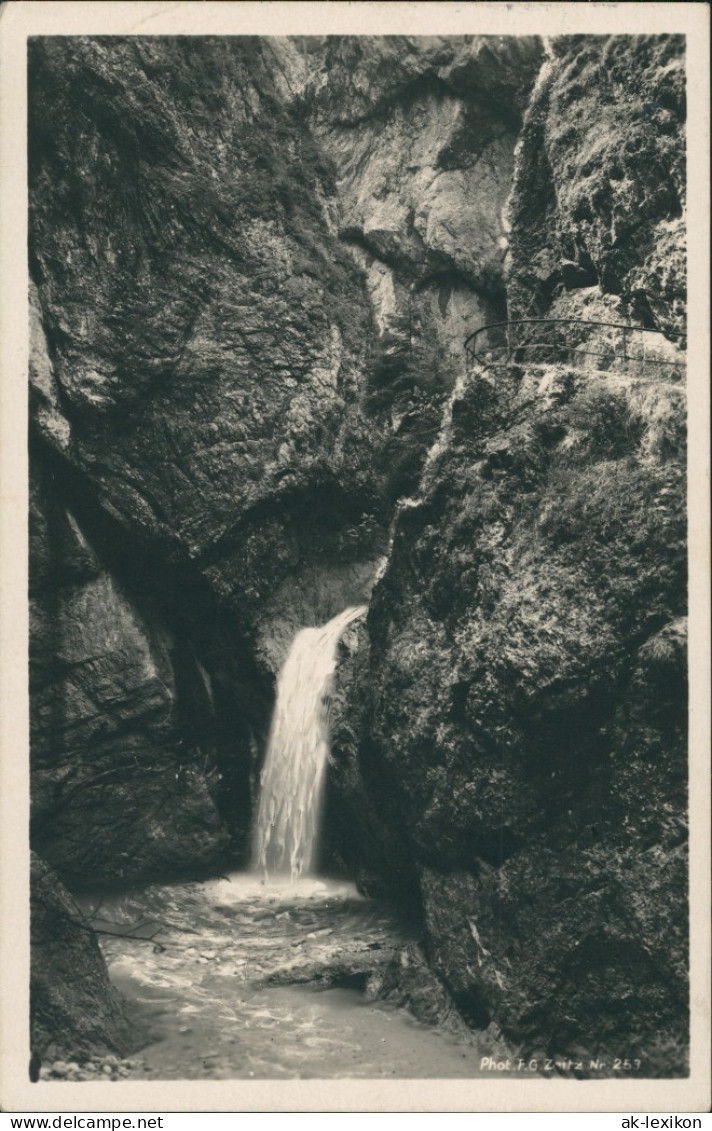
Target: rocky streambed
x,y
239,979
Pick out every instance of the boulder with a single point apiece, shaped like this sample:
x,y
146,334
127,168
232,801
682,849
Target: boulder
x,y
75,1012
526,706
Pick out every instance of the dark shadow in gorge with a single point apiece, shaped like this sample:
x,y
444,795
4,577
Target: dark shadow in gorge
x,y
220,722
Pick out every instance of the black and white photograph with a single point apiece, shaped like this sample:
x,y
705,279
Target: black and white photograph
x,y
356,527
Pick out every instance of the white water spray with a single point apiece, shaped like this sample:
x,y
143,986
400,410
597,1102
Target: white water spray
x,y
292,780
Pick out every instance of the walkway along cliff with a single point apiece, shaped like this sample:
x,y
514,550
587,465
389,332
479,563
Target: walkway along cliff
x,y
255,264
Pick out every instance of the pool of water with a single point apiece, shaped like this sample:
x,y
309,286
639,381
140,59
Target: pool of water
x,y
242,979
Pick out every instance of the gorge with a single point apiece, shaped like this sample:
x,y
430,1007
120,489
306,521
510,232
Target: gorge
x,y
254,264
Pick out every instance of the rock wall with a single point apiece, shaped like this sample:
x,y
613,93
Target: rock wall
x,y
254,263
599,188
75,1011
205,331
422,133
528,708
523,695
117,790
199,342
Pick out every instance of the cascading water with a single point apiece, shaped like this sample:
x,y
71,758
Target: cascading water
x,y
292,780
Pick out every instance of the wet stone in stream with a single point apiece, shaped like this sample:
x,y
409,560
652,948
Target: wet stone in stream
x,y
245,980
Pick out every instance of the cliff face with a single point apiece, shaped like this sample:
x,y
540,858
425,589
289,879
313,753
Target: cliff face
x,y
528,708
199,344
421,133
253,262
524,703
75,1011
206,332
254,265
117,791
599,189
422,136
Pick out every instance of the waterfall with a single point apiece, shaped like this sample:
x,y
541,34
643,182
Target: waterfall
x,y
292,780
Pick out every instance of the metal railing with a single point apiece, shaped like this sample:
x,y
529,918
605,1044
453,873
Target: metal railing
x,y
550,341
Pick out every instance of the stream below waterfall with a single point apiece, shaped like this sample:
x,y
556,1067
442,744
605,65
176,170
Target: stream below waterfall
x,y
273,973
233,984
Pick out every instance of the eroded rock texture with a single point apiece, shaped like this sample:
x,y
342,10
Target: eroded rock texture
x,y
254,265
527,687
205,330
599,190
118,792
75,1010
199,341
422,134
523,708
